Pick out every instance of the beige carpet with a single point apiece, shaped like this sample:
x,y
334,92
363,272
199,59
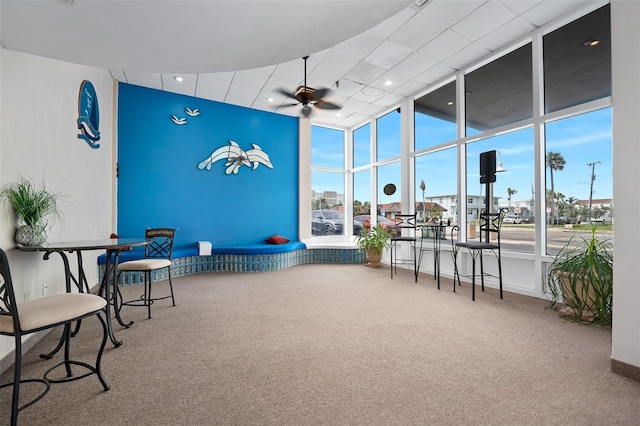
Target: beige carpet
x,y
340,345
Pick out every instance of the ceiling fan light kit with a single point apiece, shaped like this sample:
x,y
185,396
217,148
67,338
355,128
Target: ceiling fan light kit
x,y
308,96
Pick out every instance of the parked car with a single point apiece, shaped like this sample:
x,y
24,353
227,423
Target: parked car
x,y
512,218
365,219
528,219
357,227
563,220
327,222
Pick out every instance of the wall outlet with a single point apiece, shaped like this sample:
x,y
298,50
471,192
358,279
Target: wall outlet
x,y
44,289
26,296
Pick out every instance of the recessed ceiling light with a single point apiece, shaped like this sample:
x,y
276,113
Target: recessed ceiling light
x,y
450,103
178,78
269,99
388,83
590,42
338,114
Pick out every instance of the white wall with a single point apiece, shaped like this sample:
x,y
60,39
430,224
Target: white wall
x,y
625,33
39,109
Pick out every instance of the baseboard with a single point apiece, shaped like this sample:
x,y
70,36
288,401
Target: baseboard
x,y
624,369
8,360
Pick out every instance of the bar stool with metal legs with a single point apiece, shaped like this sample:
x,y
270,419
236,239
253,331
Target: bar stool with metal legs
x,y
405,233
490,226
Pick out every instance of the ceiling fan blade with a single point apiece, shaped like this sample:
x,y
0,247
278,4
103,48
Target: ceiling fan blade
x,y
306,110
320,93
326,105
289,105
286,93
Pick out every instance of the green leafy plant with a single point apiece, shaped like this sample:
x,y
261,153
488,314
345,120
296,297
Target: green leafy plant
x,y
31,204
374,238
581,277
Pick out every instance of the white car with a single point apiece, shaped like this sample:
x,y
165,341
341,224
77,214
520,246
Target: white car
x,y
512,218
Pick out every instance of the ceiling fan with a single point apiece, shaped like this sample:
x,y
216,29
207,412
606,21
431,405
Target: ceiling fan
x,y
308,96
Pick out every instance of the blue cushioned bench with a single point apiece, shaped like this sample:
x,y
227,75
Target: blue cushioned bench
x,y
259,257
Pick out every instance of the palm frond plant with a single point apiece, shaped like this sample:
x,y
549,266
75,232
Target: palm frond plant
x,y
581,277
35,209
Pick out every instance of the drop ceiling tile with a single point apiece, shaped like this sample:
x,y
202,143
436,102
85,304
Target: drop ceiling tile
x,y
250,78
353,104
408,68
466,56
144,75
448,13
242,92
336,64
179,89
358,47
389,26
144,82
212,96
212,85
387,55
292,71
443,46
410,88
549,10
390,99
239,101
364,73
514,30
222,76
373,110
347,88
487,18
520,6
418,31
434,74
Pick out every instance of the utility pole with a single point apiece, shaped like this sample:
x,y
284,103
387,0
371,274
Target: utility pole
x,y
593,177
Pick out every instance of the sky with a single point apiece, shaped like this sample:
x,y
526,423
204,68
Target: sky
x,y
581,140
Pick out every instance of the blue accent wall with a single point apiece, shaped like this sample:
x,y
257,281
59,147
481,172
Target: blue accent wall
x,y
160,185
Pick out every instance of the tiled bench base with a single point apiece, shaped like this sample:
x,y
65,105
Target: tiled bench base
x,y
246,263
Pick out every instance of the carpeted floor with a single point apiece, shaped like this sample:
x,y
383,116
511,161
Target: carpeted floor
x,y
339,345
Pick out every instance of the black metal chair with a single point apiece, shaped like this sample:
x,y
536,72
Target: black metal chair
x,y
157,256
431,240
490,226
47,312
405,233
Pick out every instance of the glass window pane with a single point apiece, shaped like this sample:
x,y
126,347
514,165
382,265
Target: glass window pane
x,y
389,204
579,174
327,147
389,135
436,186
362,146
500,92
435,117
513,188
327,203
361,197
576,69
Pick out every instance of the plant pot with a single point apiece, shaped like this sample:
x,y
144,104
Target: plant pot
x,y
373,258
27,235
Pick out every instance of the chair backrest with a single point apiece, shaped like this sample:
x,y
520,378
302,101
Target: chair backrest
x,y
160,243
405,221
490,224
8,303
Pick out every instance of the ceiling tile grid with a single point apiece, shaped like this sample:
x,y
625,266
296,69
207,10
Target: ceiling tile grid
x,y
413,49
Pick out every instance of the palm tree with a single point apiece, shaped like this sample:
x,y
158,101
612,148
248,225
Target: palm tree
x,y
510,192
555,161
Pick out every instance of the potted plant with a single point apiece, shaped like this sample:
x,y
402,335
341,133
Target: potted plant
x,y
581,276
32,206
372,240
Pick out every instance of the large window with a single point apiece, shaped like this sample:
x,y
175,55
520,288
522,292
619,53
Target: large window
x,y
579,177
327,182
435,117
436,186
388,137
362,146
